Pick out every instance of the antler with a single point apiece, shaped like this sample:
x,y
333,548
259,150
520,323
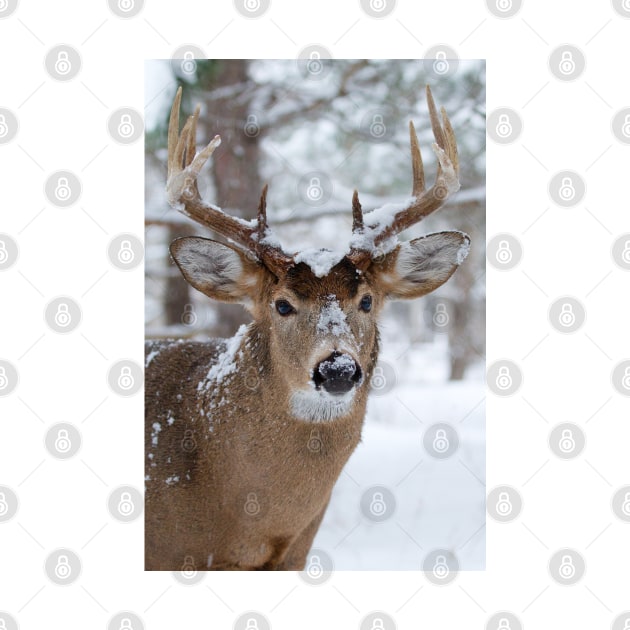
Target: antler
x,y
183,194
370,232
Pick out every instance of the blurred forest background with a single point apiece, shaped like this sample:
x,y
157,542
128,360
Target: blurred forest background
x,y
314,134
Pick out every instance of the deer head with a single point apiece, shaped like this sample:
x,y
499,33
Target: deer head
x,y
316,311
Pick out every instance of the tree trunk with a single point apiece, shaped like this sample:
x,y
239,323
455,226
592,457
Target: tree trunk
x,y
237,183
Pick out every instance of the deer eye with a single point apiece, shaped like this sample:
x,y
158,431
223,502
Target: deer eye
x,y
284,308
366,303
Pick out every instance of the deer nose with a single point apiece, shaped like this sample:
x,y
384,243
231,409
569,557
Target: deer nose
x,y
337,374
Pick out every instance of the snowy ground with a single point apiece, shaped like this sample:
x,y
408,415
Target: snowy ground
x,y
439,503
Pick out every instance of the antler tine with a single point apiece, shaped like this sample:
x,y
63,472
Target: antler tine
x,y
173,132
423,203
357,213
184,165
416,162
262,214
451,141
192,135
438,133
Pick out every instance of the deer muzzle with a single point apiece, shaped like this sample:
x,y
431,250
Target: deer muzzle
x,y
337,374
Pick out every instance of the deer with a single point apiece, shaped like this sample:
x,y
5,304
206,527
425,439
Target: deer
x,y
246,437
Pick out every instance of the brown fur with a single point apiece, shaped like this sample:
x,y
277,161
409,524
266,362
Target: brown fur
x,y
234,481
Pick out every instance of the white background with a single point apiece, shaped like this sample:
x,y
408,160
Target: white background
x,y
63,377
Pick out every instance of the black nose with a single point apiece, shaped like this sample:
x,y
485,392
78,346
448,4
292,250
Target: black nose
x,y
337,374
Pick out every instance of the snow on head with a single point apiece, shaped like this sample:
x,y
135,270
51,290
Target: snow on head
x,y
321,261
375,222
332,319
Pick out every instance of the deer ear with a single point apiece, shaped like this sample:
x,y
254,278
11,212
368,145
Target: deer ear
x,y
422,265
220,271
